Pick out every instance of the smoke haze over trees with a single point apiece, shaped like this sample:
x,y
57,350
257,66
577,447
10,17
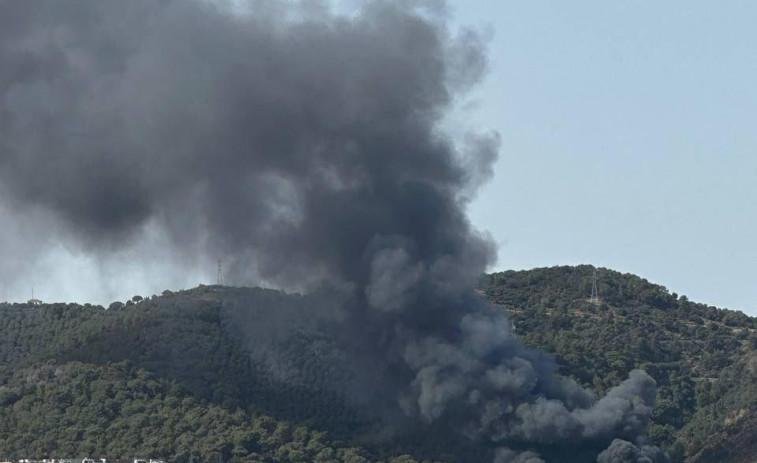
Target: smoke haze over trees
x,y
302,147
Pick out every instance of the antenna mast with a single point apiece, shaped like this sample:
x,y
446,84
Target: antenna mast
x,y
594,299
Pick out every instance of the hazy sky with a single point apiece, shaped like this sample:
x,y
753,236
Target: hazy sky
x,y
628,139
627,142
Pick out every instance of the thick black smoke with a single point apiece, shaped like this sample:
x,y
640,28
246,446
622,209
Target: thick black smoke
x,y
621,451
302,146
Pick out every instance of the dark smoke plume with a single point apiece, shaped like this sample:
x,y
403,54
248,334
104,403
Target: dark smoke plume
x,y
302,145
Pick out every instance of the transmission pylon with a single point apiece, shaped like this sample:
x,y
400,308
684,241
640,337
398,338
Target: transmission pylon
x,y
594,299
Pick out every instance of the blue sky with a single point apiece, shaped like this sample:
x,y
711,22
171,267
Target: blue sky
x,y
628,139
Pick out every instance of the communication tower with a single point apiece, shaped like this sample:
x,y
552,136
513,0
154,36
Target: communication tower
x,y
594,299
34,301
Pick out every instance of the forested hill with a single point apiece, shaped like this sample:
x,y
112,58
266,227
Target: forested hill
x,y
218,374
702,358
162,377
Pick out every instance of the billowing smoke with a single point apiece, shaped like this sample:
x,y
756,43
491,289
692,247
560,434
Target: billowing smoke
x,y
300,145
621,451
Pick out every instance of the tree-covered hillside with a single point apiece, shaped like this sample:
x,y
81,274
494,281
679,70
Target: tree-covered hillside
x,y
244,374
122,411
163,377
703,358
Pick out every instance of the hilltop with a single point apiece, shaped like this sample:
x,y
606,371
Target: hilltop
x,y
703,358
164,377
212,373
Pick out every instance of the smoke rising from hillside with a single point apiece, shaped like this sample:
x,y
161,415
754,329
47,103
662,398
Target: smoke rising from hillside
x,y
301,146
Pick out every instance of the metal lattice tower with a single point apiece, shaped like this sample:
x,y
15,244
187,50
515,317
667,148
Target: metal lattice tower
x,y
594,299
219,280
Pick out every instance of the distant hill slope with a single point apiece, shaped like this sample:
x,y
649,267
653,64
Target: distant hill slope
x,y
165,377
702,358
218,374
121,411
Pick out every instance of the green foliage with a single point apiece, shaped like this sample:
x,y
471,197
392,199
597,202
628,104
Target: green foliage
x,y
697,353
160,377
173,376
120,411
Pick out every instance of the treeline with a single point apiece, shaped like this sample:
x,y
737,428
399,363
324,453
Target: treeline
x,y
702,357
163,377
122,411
183,376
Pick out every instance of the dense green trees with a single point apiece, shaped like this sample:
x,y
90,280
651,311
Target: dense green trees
x,y
696,353
173,376
161,377
120,410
